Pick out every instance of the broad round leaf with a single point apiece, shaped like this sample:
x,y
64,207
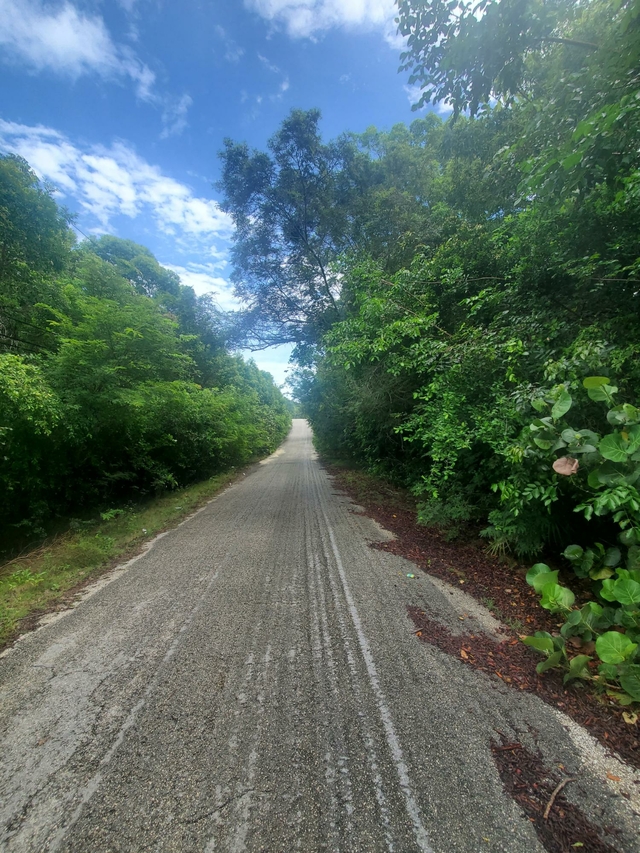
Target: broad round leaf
x,y
630,680
578,668
603,393
573,552
614,447
612,557
633,437
539,579
540,643
601,573
595,381
562,405
607,592
549,663
556,597
613,647
538,569
633,558
627,591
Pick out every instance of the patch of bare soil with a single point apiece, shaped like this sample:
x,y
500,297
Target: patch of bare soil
x,y
504,589
560,825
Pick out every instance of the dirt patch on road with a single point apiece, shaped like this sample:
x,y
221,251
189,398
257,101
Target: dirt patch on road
x,y
560,825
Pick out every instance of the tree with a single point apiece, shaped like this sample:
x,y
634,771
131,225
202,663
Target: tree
x,y
35,240
137,264
465,53
288,231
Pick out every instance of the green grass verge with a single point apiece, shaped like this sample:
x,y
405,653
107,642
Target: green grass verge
x,y
46,578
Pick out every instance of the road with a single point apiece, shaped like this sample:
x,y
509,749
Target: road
x,y
252,683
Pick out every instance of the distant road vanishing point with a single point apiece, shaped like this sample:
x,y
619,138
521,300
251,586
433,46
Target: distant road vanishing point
x,y
252,683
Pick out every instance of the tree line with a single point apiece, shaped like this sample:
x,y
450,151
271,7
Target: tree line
x,y
115,379
464,294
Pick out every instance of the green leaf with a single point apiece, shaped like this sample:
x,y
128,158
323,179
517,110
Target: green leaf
x,y
537,576
595,381
573,552
591,613
572,160
601,573
633,557
556,597
562,405
609,670
630,680
633,437
538,569
543,443
607,592
612,557
602,393
549,663
614,647
627,591
541,641
606,474
630,537
613,447
578,668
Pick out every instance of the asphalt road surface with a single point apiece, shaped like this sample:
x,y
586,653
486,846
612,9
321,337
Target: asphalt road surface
x,y
252,683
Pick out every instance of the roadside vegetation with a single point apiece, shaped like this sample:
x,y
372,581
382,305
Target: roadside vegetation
x,y
48,577
116,387
464,296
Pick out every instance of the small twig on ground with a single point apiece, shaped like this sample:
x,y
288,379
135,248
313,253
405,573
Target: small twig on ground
x,y
556,791
507,746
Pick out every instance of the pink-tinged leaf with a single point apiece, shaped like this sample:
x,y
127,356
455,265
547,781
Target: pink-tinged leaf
x,y
566,465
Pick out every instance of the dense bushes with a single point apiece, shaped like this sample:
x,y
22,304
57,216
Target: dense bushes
x,y
114,379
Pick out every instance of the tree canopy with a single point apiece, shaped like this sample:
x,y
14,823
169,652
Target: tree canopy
x,y
115,379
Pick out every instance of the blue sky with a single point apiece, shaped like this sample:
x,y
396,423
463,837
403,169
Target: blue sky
x,y
124,104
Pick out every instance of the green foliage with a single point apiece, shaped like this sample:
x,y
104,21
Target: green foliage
x,y
610,629
114,378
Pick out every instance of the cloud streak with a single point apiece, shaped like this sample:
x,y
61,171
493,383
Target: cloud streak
x,y
307,18
107,182
69,43
206,278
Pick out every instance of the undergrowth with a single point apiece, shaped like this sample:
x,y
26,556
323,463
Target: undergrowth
x,y
44,578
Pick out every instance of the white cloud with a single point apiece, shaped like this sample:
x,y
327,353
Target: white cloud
x,y
68,42
306,18
107,182
174,116
275,360
414,93
205,278
233,51
268,65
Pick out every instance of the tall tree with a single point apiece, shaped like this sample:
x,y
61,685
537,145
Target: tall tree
x,y
288,230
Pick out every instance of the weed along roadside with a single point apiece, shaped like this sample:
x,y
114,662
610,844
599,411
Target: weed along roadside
x,y
49,578
501,588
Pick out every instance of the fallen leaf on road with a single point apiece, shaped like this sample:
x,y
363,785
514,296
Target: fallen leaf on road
x,y
613,778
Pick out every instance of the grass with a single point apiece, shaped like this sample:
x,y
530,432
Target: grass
x,y
47,577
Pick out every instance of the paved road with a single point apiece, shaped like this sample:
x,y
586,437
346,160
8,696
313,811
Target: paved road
x,y
252,684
